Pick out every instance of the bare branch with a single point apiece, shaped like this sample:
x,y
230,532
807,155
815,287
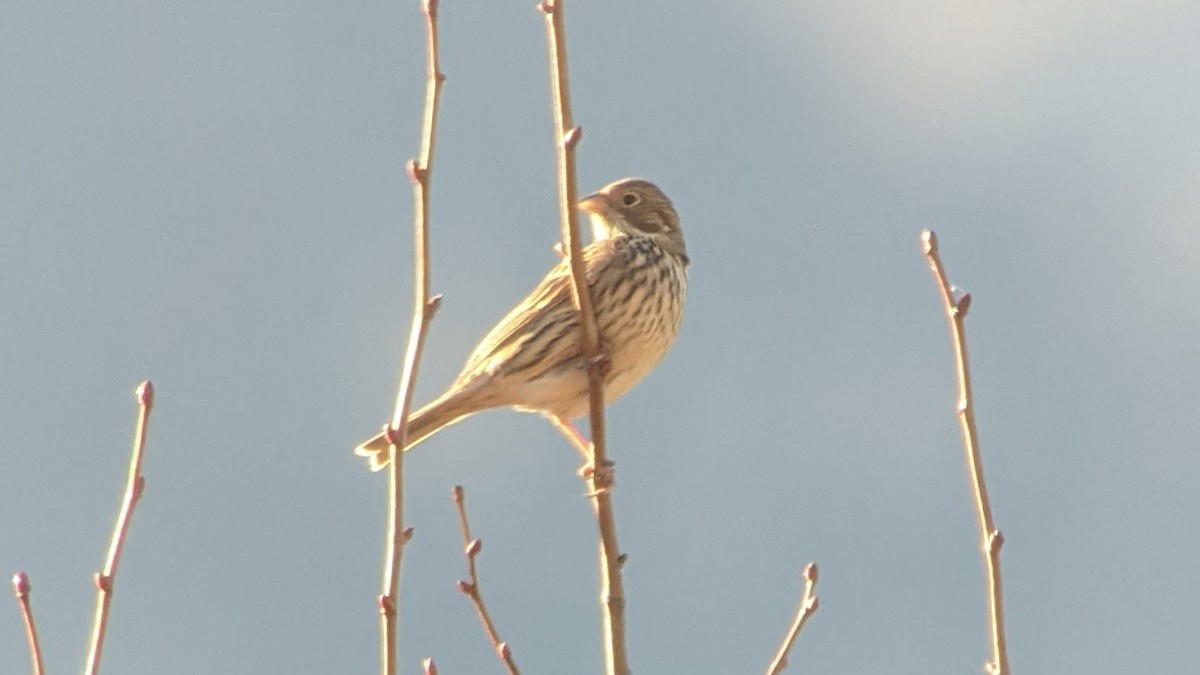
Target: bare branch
x,y
22,588
992,540
809,604
600,477
134,486
470,588
424,307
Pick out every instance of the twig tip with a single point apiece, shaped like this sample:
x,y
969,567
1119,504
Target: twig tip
x,y
21,585
431,8
929,241
811,572
456,493
429,666
145,394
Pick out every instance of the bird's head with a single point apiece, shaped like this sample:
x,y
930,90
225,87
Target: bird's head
x,y
635,207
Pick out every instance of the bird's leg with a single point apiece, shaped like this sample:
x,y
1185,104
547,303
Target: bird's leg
x,y
598,475
582,445
568,430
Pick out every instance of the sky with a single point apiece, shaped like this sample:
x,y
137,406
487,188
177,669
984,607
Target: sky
x,y
212,196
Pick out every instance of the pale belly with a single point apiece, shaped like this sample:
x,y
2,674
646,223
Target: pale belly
x,y
636,341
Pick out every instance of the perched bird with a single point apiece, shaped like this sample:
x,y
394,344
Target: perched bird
x,y
531,360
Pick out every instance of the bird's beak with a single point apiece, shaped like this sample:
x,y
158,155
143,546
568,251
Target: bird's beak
x,y
596,203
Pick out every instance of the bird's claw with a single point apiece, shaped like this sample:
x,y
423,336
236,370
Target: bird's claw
x,y
600,477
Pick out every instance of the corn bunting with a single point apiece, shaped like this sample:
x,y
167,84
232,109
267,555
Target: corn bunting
x,y
531,359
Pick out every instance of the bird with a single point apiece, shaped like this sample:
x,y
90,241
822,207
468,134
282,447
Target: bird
x,y
532,359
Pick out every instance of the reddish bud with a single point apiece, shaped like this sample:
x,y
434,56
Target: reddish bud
x,y
474,547
102,582
810,573
571,138
387,604
21,585
145,394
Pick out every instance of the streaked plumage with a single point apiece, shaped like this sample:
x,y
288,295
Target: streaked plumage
x,y
637,271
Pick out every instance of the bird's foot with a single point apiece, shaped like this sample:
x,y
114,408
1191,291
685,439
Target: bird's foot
x,y
599,477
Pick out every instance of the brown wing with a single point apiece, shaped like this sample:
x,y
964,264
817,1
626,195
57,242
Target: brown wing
x,y
541,332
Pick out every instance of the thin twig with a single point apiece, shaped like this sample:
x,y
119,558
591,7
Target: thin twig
x,y
567,135
22,588
809,604
470,588
134,486
424,307
992,540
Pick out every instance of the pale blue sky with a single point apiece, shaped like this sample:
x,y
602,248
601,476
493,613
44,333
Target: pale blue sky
x,y
212,196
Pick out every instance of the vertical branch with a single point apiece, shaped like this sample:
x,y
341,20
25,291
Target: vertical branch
x,y
470,588
22,588
809,604
992,539
424,307
133,492
600,477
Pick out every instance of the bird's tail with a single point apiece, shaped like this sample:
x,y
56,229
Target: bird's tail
x,y
421,424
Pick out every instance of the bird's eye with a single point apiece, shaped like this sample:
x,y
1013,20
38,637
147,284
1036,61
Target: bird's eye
x,y
630,199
